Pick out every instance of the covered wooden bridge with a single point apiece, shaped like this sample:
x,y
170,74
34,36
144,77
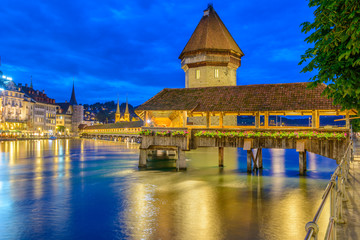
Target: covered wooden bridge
x,y
187,118
127,131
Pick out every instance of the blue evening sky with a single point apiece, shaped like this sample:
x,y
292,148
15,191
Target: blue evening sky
x,y
114,47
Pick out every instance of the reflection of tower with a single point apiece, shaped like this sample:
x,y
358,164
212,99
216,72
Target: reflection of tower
x,y
127,114
117,113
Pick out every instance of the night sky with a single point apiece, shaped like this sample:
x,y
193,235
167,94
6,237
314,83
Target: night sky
x,y
117,48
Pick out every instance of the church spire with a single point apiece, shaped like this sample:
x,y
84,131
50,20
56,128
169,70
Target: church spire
x,y
31,85
118,107
127,114
73,99
127,107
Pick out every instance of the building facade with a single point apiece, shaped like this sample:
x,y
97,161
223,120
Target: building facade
x,y
44,110
24,110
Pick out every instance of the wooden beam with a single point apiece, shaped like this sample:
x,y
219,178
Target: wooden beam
x,y
184,118
146,118
208,120
315,119
347,116
266,120
257,119
221,120
344,119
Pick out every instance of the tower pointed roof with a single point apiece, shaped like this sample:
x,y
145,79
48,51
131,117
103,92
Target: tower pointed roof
x,y
211,34
73,98
127,107
118,107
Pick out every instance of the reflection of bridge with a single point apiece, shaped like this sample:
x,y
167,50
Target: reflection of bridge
x,y
330,143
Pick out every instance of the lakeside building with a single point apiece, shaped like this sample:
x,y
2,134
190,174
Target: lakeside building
x,y
69,115
24,110
44,110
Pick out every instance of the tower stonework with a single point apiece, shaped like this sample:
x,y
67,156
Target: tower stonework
x,y
209,59
211,56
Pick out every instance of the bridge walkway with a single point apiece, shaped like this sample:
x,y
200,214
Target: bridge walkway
x,y
351,229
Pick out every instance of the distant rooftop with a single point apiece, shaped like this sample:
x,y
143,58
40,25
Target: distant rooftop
x,y
211,34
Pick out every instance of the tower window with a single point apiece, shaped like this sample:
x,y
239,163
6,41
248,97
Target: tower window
x,y
197,74
216,73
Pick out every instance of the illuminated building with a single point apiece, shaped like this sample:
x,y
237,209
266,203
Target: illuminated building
x,y
25,110
126,116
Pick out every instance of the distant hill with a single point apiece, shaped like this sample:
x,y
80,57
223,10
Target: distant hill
x,y
107,110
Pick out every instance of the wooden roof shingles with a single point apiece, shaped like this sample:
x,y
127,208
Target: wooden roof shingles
x,y
246,98
211,34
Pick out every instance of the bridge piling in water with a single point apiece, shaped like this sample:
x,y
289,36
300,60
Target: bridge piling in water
x,y
221,157
302,162
143,158
181,160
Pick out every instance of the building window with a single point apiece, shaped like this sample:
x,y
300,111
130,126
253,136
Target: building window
x,y
216,73
197,74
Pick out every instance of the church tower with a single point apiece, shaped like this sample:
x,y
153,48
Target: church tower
x,y
211,56
117,113
127,114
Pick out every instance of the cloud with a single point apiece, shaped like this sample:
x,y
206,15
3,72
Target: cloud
x,y
116,47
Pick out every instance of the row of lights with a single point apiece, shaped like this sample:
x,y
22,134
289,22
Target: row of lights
x,y
7,78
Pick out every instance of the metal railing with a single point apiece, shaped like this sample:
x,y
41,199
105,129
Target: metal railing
x,y
336,190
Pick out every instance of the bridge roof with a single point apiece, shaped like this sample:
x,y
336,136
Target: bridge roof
x,y
134,124
246,98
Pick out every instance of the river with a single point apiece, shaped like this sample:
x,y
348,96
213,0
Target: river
x,y
91,189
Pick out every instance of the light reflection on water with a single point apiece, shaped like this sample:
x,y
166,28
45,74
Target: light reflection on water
x,y
85,189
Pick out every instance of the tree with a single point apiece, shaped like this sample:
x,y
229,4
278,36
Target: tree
x,y
335,35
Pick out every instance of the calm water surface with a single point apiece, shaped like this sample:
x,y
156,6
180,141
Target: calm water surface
x,y
86,189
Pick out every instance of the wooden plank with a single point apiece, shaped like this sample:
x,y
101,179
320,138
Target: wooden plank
x,y
248,144
208,120
347,120
257,119
266,120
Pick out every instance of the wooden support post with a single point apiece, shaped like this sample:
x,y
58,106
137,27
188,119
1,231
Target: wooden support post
x,y
142,158
184,117
302,162
181,160
315,119
208,120
249,160
221,120
259,158
266,120
221,156
146,118
257,119
347,116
